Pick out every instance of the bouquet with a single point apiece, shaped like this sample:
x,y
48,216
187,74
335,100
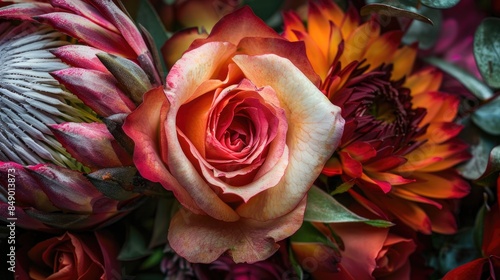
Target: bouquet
x,y
235,139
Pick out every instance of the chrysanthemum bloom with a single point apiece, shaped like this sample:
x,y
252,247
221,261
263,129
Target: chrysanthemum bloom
x,y
399,143
49,136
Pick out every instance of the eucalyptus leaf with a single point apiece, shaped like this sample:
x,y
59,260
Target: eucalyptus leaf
x,y
394,11
322,207
478,88
425,34
487,51
457,249
481,144
440,4
490,174
487,117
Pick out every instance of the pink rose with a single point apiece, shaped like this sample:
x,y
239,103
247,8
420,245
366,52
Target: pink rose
x,y
239,134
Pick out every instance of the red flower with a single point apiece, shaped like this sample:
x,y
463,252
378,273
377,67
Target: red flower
x,y
399,143
487,267
71,256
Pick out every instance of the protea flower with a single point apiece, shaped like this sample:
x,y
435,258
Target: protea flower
x,y
399,143
52,111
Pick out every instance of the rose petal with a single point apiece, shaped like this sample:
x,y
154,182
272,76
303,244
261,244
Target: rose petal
x,y
235,26
315,127
146,156
203,239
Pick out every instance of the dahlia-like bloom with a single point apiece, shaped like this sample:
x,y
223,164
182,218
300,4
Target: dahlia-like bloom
x,y
399,143
50,135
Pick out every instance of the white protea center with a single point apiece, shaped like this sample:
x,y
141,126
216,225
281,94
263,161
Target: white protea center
x,y
31,99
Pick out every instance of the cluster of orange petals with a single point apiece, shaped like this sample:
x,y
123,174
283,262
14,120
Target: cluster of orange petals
x,y
415,186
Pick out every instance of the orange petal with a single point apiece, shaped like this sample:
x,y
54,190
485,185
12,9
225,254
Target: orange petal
x,y
358,42
439,132
403,61
317,27
443,220
427,79
176,45
438,185
291,22
408,212
408,195
381,50
315,55
235,26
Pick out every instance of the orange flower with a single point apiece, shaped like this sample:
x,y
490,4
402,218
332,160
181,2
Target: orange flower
x,y
367,253
399,143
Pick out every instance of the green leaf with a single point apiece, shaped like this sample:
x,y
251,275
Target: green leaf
x,y
479,89
135,246
456,249
425,34
490,174
153,260
477,231
147,17
481,145
343,187
487,117
165,210
295,265
394,10
440,4
487,51
264,9
310,234
322,207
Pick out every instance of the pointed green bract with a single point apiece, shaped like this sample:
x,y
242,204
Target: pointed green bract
x,y
321,207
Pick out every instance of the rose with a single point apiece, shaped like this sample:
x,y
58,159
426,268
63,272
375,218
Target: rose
x,y
368,253
70,256
239,134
